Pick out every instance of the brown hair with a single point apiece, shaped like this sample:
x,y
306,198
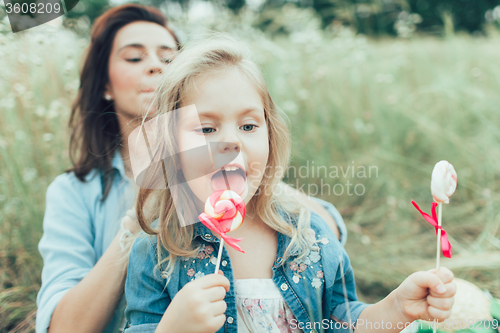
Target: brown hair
x,y
95,131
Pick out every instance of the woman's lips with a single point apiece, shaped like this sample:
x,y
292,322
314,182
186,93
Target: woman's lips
x,y
147,90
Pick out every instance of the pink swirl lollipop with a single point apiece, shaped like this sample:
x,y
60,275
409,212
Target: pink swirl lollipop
x,y
224,212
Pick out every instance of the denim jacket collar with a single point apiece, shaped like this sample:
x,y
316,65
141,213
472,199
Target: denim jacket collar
x,y
200,230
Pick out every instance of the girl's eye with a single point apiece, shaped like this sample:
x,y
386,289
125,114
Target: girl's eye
x,y
248,127
205,130
134,59
167,61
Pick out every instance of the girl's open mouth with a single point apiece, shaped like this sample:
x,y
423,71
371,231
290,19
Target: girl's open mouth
x,y
230,177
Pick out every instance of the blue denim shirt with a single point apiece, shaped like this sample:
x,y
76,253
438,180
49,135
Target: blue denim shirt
x,y
313,283
77,230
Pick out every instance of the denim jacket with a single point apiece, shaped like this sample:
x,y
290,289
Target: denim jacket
x,y
315,282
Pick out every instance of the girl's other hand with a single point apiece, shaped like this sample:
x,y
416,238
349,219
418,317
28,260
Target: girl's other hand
x,y
427,295
198,307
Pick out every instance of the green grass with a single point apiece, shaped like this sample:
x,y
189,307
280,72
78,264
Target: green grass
x,y
398,105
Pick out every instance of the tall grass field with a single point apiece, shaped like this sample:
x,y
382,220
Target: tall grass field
x,y
368,119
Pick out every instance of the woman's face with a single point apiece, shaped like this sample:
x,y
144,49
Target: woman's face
x,y
231,114
139,54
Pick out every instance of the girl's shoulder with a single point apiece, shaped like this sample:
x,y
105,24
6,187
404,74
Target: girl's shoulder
x,y
318,227
146,247
321,233
337,217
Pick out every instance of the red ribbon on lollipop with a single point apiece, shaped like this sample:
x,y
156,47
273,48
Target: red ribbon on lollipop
x,y
445,244
224,212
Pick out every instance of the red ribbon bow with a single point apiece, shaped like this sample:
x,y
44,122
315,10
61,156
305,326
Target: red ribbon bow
x,y
445,244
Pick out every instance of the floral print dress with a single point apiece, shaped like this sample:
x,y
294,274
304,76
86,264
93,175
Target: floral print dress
x,y
261,308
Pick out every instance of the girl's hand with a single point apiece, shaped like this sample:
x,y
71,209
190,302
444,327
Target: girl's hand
x,y
427,295
198,307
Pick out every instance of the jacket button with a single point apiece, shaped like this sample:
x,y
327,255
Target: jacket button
x,y
208,236
224,263
313,331
284,287
230,320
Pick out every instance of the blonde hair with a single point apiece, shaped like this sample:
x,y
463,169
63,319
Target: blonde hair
x,y
199,59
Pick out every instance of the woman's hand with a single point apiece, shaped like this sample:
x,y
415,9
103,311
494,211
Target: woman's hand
x,y
427,295
130,222
198,307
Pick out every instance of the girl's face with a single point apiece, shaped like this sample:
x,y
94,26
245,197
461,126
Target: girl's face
x,y
231,114
140,52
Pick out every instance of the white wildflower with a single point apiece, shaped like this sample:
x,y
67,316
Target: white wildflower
x,y
20,135
29,174
290,107
365,240
48,137
40,111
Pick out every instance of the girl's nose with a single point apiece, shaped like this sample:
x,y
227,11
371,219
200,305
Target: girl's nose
x,y
228,147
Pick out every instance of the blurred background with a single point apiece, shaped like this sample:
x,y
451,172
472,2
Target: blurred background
x,y
396,85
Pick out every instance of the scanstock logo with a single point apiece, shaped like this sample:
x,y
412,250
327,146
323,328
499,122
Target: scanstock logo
x,y
26,14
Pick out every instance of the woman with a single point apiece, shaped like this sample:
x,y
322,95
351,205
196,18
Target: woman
x,y
83,276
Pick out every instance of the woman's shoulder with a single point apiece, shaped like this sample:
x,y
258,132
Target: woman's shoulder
x,y
67,183
69,178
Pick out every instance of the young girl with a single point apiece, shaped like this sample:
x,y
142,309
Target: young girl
x,y
294,275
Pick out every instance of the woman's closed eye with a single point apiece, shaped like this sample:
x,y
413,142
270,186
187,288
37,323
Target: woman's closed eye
x,y
167,61
133,59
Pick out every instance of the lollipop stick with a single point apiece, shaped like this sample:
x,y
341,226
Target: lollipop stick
x,y
438,254
219,255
